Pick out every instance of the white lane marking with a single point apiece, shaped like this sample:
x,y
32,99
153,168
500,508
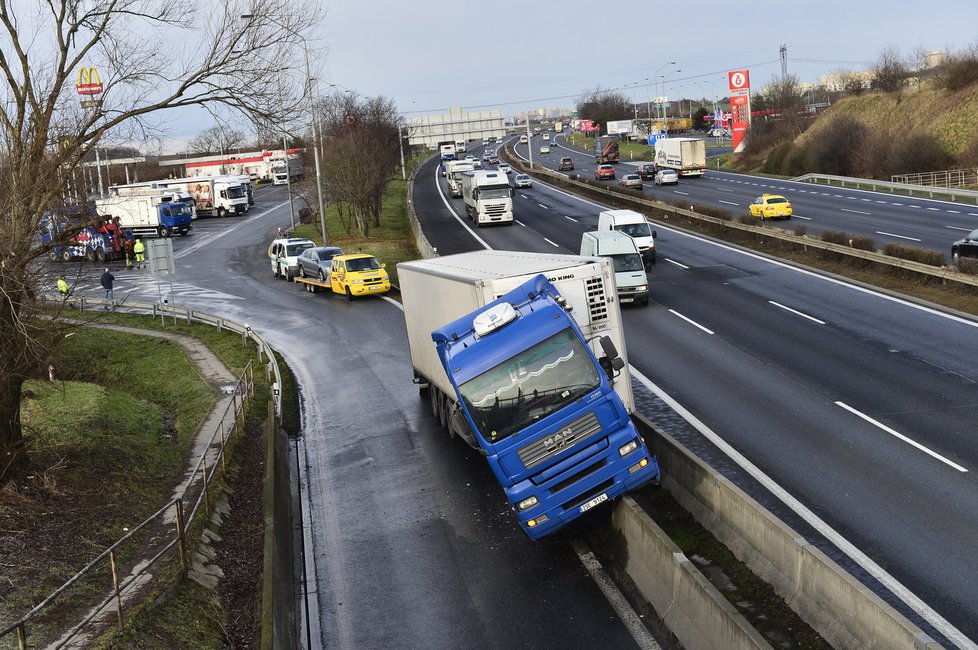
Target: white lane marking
x,y
796,312
683,193
958,228
518,222
917,207
726,189
855,211
728,202
523,196
690,321
973,214
943,626
682,266
551,243
212,237
570,218
895,203
902,437
543,206
890,234
934,209
798,216
954,211
455,214
883,202
633,623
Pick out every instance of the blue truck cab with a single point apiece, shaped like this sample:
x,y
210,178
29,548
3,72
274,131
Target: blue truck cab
x,y
541,407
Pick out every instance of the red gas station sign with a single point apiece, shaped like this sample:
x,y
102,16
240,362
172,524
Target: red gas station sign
x,y
739,82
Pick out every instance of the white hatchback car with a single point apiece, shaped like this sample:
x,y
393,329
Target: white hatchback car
x,y
504,167
284,255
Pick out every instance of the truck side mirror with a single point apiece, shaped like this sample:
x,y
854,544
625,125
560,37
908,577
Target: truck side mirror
x,y
655,235
512,192
460,426
611,363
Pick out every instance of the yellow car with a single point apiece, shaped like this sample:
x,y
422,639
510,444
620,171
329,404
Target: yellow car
x,y
771,206
545,149
358,275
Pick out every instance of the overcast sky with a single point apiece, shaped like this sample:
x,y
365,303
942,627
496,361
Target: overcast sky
x,y
428,55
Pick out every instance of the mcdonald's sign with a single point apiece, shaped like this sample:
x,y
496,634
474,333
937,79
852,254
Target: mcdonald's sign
x,y
88,81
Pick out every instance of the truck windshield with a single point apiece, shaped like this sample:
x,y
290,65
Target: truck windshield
x,y
180,210
635,229
530,386
236,192
627,262
494,192
363,264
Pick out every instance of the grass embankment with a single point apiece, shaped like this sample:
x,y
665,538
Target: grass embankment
x,y
390,242
108,441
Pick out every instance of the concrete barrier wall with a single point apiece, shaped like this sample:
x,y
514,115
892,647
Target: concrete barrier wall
x,y
278,624
836,605
689,605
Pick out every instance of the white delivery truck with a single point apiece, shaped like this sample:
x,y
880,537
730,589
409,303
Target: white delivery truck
x,y
687,156
155,188
454,169
436,291
636,226
630,278
214,196
488,197
158,215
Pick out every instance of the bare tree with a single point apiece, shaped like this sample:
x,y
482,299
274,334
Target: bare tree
x,y
151,55
601,106
890,72
216,139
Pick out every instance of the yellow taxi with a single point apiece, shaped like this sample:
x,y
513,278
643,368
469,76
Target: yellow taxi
x,y
771,206
358,274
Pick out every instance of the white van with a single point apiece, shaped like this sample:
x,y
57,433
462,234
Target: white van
x,y
630,279
283,253
636,226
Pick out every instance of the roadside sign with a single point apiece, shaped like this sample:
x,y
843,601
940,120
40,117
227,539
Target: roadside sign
x,y
159,253
739,83
89,82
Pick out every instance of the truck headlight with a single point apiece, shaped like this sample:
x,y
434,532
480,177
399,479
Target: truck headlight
x,y
628,448
526,504
642,287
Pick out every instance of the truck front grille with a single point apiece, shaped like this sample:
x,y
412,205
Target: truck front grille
x,y
581,429
495,210
597,302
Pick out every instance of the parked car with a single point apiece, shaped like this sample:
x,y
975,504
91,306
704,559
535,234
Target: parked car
x,y
604,172
631,180
545,149
284,254
666,177
314,262
522,180
565,163
771,206
646,171
967,247
504,167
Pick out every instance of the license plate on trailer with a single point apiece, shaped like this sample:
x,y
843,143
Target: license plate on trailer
x,y
601,498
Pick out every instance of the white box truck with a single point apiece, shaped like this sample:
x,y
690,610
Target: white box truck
x,y
687,156
214,196
523,356
454,169
488,197
630,278
157,215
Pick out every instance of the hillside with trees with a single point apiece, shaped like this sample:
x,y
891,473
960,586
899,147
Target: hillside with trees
x,y
911,119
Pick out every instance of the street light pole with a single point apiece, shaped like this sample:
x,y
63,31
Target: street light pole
x,y
288,181
400,144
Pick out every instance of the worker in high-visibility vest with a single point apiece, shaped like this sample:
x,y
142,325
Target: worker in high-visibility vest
x,y
139,249
63,285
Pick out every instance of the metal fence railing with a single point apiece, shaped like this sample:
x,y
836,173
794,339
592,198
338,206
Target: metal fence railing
x,y
929,191
958,178
169,524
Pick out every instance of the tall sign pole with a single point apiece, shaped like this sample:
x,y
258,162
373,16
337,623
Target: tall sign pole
x,y
739,81
88,86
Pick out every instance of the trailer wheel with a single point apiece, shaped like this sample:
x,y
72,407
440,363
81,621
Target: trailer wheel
x,y
66,255
433,394
53,256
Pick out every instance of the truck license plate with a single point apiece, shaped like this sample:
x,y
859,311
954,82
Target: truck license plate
x,y
601,498
375,287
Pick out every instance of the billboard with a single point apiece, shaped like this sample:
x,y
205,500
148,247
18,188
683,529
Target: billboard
x,y
619,127
586,125
739,107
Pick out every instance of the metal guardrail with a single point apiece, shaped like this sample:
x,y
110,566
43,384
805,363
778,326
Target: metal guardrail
x,y
903,189
947,178
203,475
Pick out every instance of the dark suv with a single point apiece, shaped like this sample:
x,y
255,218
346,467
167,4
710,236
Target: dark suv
x,y
646,171
565,163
